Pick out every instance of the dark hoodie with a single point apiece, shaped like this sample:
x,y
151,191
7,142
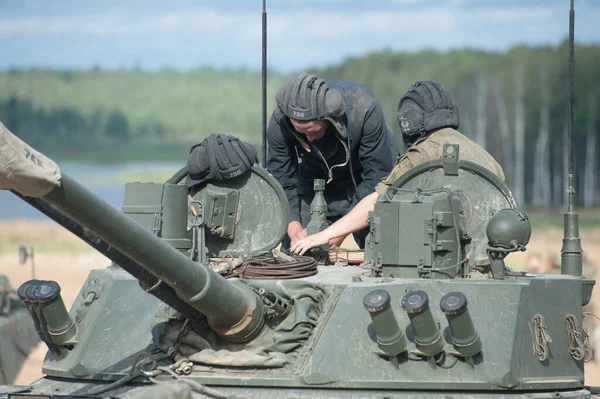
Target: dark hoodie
x,y
295,162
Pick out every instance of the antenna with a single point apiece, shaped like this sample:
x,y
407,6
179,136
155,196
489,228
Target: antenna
x,y
571,252
570,190
264,84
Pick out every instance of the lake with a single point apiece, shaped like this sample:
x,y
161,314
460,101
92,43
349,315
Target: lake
x,y
106,181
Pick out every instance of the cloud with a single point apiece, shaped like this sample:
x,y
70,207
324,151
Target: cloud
x,y
325,25
526,14
121,23
298,36
351,26
408,2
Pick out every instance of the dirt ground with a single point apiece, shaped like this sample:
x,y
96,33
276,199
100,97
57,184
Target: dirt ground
x,y
62,257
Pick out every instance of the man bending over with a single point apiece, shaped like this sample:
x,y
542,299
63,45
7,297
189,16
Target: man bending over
x,y
428,119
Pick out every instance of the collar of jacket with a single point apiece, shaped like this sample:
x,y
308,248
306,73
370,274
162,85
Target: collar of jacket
x,y
306,145
340,132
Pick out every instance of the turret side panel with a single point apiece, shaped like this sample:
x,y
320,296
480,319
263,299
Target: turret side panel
x,y
113,329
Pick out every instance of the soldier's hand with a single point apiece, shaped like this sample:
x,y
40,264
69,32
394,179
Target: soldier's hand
x,y
309,242
296,232
298,237
336,241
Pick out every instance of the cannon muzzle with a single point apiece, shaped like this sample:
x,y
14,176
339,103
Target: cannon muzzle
x,y
233,311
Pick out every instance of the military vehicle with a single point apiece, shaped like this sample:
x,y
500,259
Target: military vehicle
x,y
198,302
433,311
17,332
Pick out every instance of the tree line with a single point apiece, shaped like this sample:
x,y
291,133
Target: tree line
x,y
513,103
68,126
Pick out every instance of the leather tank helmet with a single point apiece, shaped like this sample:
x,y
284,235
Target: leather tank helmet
x,y
426,106
307,97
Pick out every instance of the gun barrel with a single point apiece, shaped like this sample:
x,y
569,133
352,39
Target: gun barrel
x,y
149,282
231,311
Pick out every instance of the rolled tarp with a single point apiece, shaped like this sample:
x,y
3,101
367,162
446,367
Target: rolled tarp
x,y
24,169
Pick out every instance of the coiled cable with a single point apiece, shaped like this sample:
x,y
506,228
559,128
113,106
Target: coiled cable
x,y
276,269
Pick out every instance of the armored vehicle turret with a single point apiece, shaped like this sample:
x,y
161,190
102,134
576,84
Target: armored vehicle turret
x,y
199,297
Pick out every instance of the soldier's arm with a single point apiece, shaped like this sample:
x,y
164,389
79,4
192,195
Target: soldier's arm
x,y
353,221
283,165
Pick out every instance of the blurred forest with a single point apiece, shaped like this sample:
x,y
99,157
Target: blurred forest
x,y
513,103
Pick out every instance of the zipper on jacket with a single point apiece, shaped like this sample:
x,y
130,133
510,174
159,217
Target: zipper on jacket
x,y
307,146
345,162
330,169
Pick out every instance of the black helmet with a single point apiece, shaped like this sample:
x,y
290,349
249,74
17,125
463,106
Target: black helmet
x,y
307,97
424,107
219,157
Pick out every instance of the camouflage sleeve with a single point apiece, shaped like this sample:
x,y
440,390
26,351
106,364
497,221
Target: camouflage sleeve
x,y
404,163
500,172
381,187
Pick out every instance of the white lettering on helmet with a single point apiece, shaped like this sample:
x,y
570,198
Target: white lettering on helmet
x,y
235,173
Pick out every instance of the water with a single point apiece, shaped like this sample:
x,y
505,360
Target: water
x,y
102,180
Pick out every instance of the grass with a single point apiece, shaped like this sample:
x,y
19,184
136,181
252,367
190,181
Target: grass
x,y
43,236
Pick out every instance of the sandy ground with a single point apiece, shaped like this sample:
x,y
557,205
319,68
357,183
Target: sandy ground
x,y
62,257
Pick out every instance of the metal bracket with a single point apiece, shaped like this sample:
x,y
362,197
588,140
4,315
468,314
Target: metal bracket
x,y
375,229
197,208
450,159
221,213
430,232
423,270
377,265
89,293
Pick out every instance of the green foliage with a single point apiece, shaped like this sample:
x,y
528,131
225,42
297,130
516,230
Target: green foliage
x,y
58,108
107,153
70,107
390,74
95,109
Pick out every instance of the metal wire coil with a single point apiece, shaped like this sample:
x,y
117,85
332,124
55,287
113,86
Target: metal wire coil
x,y
276,269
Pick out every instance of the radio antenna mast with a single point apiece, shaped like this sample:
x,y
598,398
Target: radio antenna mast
x,y
571,253
264,84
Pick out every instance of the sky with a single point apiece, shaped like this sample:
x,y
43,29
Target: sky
x,y
186,34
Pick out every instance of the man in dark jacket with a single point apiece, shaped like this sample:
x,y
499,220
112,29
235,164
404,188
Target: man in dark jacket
x,y
428,118
334,131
